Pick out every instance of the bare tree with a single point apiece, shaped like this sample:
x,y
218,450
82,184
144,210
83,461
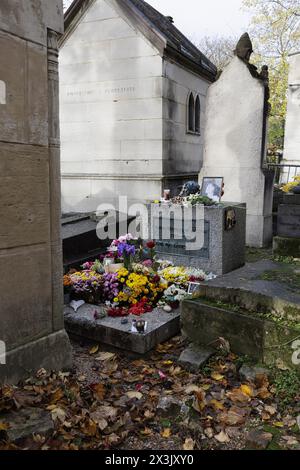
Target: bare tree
x,y
218,49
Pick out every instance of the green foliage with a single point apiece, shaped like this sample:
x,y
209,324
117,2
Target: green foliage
x,y
275,30
286,385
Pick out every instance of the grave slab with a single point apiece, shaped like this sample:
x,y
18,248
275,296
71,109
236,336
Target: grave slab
x,y
263,286
194,357
161,326
256,309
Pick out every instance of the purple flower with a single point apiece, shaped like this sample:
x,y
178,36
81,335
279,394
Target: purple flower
x,y
124,249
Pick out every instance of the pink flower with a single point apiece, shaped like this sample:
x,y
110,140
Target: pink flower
x,y
147,263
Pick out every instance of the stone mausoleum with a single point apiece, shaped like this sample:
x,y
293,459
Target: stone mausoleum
x,y
32,331
132,94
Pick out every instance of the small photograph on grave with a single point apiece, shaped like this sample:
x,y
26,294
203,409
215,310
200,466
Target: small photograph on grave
x,y
193,287
213,188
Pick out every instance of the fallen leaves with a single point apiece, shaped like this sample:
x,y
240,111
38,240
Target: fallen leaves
x,y
222,437
94,349
133,394
99,391
189,444
217,376
57,414
105,356
166,433
112,397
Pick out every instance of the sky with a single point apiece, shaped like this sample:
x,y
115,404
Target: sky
x,y
199,18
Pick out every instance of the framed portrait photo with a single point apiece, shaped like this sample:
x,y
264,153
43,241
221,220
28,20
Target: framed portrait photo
x,y
212,188
193,287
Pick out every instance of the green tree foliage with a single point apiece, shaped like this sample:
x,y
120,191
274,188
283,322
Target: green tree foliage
x,y
275,30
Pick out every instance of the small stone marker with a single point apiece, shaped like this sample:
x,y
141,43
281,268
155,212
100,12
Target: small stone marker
x,y
194,357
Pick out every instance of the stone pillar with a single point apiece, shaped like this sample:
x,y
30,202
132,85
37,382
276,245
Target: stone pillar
x,y
235,141
31,307
291,155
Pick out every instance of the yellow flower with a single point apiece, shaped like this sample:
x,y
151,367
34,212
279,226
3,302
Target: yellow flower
x,y
116,300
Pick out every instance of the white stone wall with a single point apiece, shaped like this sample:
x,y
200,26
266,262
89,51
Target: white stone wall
x,y
183,152
111,111
292,130
233,146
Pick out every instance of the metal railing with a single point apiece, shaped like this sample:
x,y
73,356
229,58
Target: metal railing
x,y
284,173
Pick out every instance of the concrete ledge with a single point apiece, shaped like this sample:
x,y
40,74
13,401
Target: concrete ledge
x,y
52,352
262,339
161,327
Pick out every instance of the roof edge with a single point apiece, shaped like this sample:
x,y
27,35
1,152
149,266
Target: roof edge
x,y
140,22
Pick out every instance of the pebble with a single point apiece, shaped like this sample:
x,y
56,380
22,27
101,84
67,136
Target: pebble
x,y
167,308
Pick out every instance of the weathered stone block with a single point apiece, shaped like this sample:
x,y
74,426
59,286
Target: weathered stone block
x,y
284,246
30,245
160,327
26,422
249,334
194,357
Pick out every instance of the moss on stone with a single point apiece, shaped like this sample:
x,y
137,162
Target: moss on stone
x,y
286,246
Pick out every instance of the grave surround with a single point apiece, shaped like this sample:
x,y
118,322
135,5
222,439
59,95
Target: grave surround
x,y
161,326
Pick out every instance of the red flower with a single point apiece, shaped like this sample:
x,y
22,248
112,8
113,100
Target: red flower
x,y
150,244
117,312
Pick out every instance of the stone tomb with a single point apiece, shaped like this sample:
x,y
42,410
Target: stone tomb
x,y
287,242
161,326
223,247
256,309
235,143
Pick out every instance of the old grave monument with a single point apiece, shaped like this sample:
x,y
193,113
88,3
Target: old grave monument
x,y
235,140
32,330
291,155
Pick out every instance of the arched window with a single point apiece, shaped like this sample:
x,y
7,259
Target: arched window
x,y
2,92
191,113
197,115
194,114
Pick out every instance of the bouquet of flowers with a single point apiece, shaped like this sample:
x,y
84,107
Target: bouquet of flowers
x,y
87,285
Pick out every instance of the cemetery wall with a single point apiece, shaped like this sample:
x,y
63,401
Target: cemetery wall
x,y
31,320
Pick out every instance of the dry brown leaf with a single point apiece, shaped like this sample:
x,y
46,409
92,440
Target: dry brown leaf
x,y
99,391
3,426
209,432
200,401
247,390
58,414
217,405
146,432
90,428
94,349
166,433
237,395
105,356
234,416
134,394
189,444
106,412
56,396
217,376
192,389
222,437
270,409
